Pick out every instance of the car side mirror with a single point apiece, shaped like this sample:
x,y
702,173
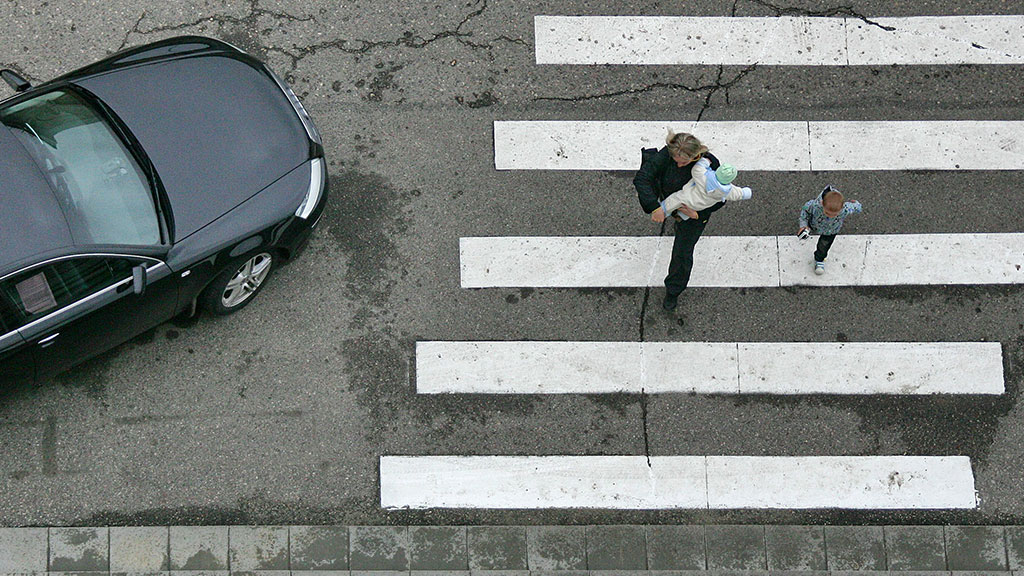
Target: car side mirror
x,y
15,80
139,279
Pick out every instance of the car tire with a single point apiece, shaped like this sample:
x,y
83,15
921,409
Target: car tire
x,y
238,283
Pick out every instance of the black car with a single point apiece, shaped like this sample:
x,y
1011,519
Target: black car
x,y
162,178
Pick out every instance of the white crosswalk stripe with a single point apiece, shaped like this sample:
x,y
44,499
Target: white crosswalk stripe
x,y
795,41
762,145
742,261
639,483
895,368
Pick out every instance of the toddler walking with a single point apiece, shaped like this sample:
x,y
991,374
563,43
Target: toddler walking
x,y
824,216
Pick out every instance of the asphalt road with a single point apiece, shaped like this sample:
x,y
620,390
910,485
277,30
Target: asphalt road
x,y
279,413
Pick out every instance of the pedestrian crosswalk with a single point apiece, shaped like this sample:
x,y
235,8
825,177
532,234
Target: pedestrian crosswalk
x,y
793,41
758,145
912,369
742,261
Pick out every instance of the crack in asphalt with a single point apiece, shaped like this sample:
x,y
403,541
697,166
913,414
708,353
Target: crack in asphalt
x,y
711,88
643,413
248,22
408,40
836,11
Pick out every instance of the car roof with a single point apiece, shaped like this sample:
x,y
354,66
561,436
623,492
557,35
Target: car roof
x,y
31,221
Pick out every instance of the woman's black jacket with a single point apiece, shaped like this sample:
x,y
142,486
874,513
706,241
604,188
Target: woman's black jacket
x,y
659,176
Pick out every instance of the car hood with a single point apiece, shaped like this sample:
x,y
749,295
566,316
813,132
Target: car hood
x,y
216,128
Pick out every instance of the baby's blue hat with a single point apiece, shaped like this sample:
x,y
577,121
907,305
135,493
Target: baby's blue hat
x,y
725,174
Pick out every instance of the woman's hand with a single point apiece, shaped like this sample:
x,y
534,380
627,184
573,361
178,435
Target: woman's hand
x,y
689,212
658,215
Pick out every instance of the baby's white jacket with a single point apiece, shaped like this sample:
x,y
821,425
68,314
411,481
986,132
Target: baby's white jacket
x,y
703,191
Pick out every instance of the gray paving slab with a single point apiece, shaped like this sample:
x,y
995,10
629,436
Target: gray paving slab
x,y
556,548
23,550
699,572
735,547
560,573
855,548
257,548
888,573
199,548
319,573
915,548
140,549
499,573
260,573
379,548
795,548
971,548
321,548
159,573
1014,546
616,548
379,573
497,548
438,548
675,548
79,550
201,572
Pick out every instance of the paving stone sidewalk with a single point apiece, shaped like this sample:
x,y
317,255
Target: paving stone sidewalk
x,y
511,550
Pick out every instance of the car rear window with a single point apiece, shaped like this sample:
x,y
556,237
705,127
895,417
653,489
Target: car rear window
x,y
105,196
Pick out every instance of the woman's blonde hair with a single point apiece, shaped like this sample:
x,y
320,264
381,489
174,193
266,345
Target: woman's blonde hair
x,y
684,145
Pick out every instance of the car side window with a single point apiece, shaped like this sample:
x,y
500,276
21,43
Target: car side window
x,y
35,293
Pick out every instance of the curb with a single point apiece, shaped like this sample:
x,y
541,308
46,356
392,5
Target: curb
x,y
509,550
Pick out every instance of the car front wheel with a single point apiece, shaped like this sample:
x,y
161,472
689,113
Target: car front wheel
x,y
238,284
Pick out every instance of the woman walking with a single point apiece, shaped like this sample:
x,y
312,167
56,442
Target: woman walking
x,y
662,173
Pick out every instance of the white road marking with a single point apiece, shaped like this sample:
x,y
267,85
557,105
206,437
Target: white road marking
x,y
742,261
790,41
861,482
639,483
986,39
894,368
762,145
916,145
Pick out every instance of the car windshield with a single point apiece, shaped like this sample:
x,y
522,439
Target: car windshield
x,y
105,196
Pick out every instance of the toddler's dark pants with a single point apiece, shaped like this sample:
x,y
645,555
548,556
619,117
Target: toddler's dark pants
x,y
824,243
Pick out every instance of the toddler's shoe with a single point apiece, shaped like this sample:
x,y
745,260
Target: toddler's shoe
x,y
819,268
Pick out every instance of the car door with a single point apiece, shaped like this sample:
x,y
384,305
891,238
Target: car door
x,y
17,364
75,308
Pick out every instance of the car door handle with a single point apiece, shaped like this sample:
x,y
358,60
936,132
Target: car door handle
x,y
49,339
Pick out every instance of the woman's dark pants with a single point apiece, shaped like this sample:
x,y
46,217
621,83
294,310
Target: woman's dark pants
x,y
687,234
824,243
